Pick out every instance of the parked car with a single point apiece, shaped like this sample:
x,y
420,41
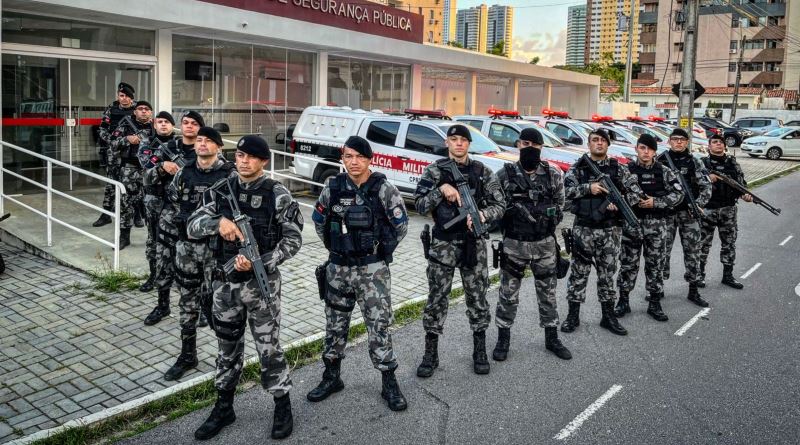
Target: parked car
x,y
733,136
793,123
783,141
575,132
758,125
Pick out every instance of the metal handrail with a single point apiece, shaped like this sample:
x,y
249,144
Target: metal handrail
x,y
48,187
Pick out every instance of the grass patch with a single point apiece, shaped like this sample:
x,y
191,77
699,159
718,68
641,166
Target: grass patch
x,y
107,279
769,178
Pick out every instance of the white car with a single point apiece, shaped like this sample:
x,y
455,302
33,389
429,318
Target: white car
x,y
783,141
575,132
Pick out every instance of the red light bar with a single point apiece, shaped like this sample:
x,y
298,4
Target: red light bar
x,y
496,112
425,113
598,118
656,118
635,118
553,113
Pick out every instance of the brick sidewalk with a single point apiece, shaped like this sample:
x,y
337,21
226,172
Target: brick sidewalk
x,y
67,350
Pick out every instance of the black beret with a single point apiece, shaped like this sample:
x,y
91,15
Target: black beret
x,y
532,135
211,134
360,145
253,145
191,114
140,103
716,136
166,115
679,132
126,89
648,140
459,130
603,134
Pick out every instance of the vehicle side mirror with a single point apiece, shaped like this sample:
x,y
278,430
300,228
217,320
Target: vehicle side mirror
x,y
280,138
440,150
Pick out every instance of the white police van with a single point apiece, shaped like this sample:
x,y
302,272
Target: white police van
x,y
402,145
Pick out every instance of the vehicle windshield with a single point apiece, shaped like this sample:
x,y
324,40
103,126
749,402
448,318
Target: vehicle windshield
x,y
778,132
584,127
550,139
480,144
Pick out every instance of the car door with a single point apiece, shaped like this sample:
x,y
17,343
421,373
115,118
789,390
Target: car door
x,y
791,144
421,145
503,135
382,136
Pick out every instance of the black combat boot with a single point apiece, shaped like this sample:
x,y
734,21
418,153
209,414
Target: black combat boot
x,y
331,381
147,286
623,306
430,360
480,364
501,348
391,392
124,238
282,420
573,317
138,215
654,308
694,296
553,344
701,283
728,279
221,416
161,310
201,320
609,320
103,219
188,358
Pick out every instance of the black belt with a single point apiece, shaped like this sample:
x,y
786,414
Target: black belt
x,y
598,224
234,277
527,238
441,235
343,260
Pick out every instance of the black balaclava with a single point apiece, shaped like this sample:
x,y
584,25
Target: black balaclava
x,y
530,158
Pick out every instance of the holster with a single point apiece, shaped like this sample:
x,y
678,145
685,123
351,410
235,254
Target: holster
x,y
562,264
322,279
425,237
207,305
497,249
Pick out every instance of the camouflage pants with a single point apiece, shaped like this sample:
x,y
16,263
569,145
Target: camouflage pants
x,y
689,230
131,178
724,220
167,237
112,172
370,286
236,304
152,207
193,267
652,246
540,256
602,247
445,257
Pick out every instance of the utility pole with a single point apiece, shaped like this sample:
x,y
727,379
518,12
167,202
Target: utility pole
x,y
686,100
629,62
738,80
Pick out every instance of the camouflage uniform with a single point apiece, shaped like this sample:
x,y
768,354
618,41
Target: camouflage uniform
x,y
527,249
153,193
666,193
597,236
237,298
720,212
131,169
108,124
448,249
695,174
358,268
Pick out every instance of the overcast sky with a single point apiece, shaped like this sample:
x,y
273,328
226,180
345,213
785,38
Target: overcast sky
x,y
540,27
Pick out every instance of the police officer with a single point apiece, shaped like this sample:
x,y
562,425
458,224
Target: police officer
x,y
164,125
129,135
277,225
457,247
695,175
597,230
720,212
112,116
160,171
661,192
193,261
361,218
534,192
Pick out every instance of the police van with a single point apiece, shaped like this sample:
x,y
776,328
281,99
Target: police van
x,y
402,145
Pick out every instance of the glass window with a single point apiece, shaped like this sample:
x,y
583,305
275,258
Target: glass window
x,y
472,123
563,132
503,134
424,139
49,31
367,84
382,132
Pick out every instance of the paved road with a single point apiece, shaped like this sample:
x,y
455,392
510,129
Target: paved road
x,y
731,378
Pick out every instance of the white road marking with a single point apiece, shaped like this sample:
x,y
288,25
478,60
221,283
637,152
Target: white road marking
x,y
797,290
584,416
752,269
786,240
685,327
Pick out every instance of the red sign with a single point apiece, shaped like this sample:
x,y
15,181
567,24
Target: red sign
x,y
355,15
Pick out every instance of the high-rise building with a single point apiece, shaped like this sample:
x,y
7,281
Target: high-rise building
x,y
435,17
471,28
603,34
448,20
576,35
500,27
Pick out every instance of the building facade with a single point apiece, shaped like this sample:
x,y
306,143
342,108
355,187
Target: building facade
x,y
576,35
603,33
435,23
471,28
500,28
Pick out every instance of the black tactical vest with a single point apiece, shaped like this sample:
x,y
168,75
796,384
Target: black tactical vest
x,y
589,210
259,204
446,210
356,223
684,162
651,180
722,195
529,199
118,113
194,183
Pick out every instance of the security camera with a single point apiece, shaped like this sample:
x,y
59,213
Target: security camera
x,y
244,24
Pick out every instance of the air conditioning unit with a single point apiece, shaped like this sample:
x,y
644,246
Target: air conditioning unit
x,y
733,50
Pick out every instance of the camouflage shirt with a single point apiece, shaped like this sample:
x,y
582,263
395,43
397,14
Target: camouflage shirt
x,y
131,127
701,177
674,194
175,187
151,175
106,126
575,189
542,173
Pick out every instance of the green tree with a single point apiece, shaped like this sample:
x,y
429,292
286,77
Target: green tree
x,y
455,44
607,69
535,60
499,49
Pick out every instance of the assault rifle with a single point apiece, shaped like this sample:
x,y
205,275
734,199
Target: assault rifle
x,y
173,155
248,247
468,205
741,189
694,209
614,195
